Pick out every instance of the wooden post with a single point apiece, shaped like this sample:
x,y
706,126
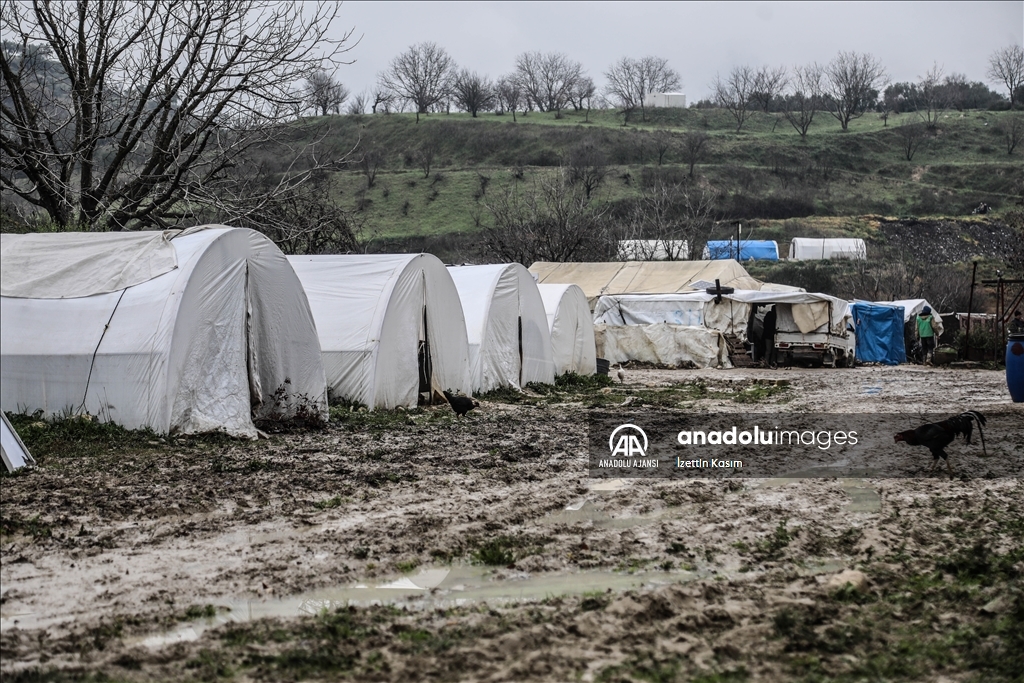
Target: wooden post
x,y
970,309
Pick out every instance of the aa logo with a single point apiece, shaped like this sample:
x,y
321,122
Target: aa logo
x,y
628,444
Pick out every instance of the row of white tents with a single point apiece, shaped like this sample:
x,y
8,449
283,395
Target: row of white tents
x,y
213,327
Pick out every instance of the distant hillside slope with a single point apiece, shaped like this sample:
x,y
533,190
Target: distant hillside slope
x,y
764,171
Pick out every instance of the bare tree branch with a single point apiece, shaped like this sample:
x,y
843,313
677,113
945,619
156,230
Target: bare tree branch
x,y
141,105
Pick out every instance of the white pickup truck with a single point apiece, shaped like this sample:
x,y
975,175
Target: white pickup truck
x,y
830,344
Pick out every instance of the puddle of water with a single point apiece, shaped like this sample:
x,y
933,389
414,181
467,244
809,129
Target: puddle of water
x,y
870,390
863,498
432,587
608,485
586,511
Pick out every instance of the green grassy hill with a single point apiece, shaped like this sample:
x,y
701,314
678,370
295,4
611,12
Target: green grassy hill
x,y
766,171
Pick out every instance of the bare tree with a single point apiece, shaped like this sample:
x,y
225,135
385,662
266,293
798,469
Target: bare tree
x,y
1012,129
663,143
850,85
735,92
550,220
911,137
145,107
585,165
509,92
548,79
769,83
631,81
805,99
932,96
370,161
357,105
426,153
1006,65
473,92
325,94
382,98
422,75
695,148
670,215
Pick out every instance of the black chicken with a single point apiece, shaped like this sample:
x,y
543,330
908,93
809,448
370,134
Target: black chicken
x,y
461,404
935,436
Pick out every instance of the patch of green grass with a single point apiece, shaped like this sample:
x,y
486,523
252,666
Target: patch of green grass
x,y
14,523
355,418
330,503
407,566
571,381
497,552
200,612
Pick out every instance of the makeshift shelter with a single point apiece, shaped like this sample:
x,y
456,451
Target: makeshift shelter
x,y
201,330
391,326
644,277
749,250
879,328
664,344
12,451
571,327
507,328
818,249
694,313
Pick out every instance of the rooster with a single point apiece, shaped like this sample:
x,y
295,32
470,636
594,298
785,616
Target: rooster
x,y
461,404
935,436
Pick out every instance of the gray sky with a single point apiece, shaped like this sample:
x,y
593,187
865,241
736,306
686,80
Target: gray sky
x,y
698,38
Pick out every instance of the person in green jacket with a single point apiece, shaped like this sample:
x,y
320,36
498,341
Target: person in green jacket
x,y
928,328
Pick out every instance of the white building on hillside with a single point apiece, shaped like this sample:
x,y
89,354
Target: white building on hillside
x,y
665,99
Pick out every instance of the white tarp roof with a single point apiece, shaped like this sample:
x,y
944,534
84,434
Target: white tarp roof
x,y
571,327
911,307
12,451
76,264
663,343
643,277
807,311
192,349
369,312
494,299
813,248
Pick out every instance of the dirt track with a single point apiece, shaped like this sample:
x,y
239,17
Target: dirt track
x,y
147,562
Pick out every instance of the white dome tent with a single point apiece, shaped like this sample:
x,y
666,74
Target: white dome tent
x,y
571,327
181,332
390,326
509,342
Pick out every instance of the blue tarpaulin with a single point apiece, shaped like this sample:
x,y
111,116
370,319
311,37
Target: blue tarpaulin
x,y
756,250
879,330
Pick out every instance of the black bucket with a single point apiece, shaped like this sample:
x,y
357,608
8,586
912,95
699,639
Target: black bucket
x,y
602,366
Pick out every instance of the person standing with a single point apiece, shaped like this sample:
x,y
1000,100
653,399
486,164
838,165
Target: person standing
x,y
1016,326
928,327
768,335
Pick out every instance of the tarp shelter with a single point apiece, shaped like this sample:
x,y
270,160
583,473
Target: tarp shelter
x,y
653,250
805,311
571,327
912,307
390,326
194,331
879,328
664,344
507,328
821,249
750,250
644,277
12,451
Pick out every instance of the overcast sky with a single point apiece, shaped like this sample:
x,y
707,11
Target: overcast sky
x,y
698,38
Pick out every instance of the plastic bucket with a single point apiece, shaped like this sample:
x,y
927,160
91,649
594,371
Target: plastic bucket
x,y
602,366
1015,367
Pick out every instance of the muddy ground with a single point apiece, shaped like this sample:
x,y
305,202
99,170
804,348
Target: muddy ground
x,y
417,546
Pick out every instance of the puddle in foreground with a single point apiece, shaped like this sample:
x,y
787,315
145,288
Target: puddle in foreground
x,y
439,587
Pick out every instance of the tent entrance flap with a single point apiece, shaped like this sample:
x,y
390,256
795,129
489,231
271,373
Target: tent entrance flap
x,y
252,359
423,361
